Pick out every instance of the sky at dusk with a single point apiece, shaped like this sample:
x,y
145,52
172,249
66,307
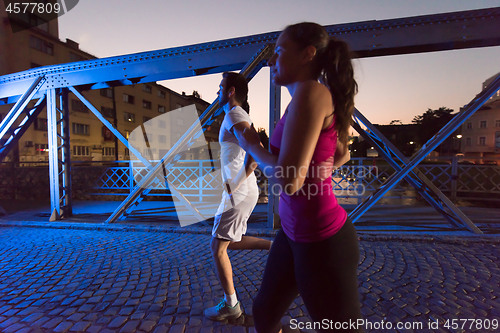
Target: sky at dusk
x,y
390,88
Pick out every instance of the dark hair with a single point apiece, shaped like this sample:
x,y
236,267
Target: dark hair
x,y
240,84
333,68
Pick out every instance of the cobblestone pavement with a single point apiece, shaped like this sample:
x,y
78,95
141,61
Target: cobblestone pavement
x,y
62,280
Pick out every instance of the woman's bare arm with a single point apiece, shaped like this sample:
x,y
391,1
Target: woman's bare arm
x,y
342,155
310,105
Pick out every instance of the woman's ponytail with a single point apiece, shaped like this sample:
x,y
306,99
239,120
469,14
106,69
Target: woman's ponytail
x,y
338,75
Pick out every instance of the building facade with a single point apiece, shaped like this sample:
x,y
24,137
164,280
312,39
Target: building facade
x,y
127,107
480,140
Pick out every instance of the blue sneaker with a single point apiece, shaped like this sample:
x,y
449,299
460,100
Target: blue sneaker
x,y
223,311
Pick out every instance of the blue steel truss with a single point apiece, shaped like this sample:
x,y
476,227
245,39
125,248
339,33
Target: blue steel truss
x,y
192,134
476,28
447,31
436,140
415,178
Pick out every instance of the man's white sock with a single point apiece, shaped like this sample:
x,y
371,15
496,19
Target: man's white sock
x,y
231,300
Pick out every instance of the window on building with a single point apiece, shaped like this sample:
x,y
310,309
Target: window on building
x,y
35,21
147,88
162,138
129,117
128,98
148,137
107,112
41,149
81,129
108,151
162,124
107,92
78,105
127,152
161,109
482,141
161,94
483,124
41,124
146,104
81,151
145,120
497,123
41,45
146,153
469,126
76,57
468,141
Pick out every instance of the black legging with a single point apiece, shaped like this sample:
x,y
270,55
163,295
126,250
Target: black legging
x,y
324,273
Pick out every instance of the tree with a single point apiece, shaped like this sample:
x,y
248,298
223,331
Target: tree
x,y
431,122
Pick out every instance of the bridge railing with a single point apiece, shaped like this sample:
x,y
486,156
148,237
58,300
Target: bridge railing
x,y
356,180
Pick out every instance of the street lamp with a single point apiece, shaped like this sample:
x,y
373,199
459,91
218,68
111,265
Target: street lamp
x,y
459,137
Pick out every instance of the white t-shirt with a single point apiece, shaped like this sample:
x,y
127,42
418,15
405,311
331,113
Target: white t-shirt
x,y
232,155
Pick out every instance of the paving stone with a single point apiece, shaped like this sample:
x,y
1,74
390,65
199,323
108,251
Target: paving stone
x,y
77,316
14,328
177,329
147,325
63,327
166,320
130,327
33,317
53,322
118,321
161,329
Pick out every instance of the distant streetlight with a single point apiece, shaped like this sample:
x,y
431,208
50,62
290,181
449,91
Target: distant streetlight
x,y
459,137
411,142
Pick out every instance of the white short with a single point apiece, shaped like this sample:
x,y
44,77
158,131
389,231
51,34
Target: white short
x,y
231,224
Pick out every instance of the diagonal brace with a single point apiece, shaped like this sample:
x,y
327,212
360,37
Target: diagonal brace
x,y
173,155
435,141
425,186
134,151
20,105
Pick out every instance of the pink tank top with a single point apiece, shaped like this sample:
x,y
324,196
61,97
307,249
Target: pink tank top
x,y
312,213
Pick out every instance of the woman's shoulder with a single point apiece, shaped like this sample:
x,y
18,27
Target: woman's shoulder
x,y
313,94
315,88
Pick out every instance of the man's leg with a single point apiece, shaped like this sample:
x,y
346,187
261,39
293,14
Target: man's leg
x,y
250,243
229,307
222,264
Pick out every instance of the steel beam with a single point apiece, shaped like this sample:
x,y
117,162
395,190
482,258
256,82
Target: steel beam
x,y
134,151
421,184
55,208
435,141
65,149
20,105
17,132
273,218
447,31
